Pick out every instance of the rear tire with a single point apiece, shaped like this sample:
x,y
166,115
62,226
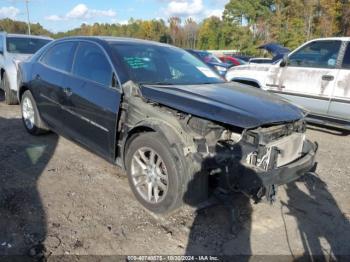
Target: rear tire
x,y
10,95
155,172
30,115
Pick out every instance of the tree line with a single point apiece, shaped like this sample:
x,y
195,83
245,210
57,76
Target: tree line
x,y
243,26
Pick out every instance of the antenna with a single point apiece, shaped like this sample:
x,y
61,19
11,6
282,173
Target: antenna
x,y
28,21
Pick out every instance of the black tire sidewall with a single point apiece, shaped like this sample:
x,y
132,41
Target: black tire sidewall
x,y
173,198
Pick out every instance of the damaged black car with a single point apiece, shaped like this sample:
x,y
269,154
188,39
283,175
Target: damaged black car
x,y
165,117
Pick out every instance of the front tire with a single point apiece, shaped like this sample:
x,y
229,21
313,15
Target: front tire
x,y
10,95
30,115
155,173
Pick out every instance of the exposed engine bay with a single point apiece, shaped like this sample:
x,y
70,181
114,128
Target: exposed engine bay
x,y
230,157
238,156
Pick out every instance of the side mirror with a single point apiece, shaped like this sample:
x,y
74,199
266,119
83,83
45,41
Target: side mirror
x,y
1,52
284,61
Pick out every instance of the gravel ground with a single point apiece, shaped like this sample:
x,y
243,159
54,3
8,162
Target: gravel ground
x,y
57,198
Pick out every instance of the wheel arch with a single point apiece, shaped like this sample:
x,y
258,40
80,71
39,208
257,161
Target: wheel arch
x,y
21,90
169,133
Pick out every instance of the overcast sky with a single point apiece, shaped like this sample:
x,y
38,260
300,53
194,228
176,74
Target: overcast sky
x,y
61,15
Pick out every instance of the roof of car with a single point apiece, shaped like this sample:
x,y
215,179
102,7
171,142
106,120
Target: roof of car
x,y
110,39
343,38
27,36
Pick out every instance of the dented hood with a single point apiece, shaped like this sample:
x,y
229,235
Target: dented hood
x,y
229,103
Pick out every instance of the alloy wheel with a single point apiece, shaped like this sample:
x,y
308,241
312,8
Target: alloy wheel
x,y
149,175
28,113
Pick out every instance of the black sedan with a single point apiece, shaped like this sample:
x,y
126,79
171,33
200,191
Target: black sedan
x,y
165,117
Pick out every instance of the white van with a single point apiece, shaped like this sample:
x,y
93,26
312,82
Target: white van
x,y
315,76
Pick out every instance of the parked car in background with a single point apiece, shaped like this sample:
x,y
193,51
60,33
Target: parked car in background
x,y
211,60
15,48
163,115
315,76
232,61
245,58
260,60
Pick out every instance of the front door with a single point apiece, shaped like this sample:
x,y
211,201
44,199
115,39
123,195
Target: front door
x,y
92,102
340,101
309,77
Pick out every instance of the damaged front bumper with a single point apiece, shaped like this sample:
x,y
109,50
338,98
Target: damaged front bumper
x,y
258,182
291,171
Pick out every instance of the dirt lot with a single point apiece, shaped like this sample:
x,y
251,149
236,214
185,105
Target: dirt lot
x,y
57,198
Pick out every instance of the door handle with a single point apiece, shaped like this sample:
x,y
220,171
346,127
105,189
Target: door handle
x,y
327,78
67,91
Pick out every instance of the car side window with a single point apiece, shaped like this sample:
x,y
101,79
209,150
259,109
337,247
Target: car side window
x,y
60,56
317,54
346,59
91,63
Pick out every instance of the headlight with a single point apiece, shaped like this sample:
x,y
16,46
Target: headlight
x,y
232,136
221,69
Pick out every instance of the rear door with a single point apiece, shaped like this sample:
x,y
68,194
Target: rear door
x,y
49,74
92,99
340,101
309,77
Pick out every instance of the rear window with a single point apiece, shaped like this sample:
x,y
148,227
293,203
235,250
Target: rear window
x,y
24,45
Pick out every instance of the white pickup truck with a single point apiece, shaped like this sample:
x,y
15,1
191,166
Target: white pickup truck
x,y
316,76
